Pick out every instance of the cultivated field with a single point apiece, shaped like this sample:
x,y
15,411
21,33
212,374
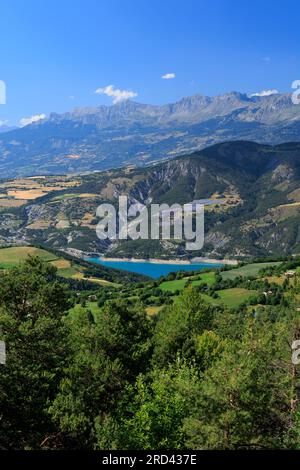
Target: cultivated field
x,y
15,193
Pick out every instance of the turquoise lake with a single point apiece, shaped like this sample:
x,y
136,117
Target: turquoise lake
x,y
153,270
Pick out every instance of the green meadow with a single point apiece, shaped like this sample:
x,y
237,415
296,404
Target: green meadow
x,y
251,269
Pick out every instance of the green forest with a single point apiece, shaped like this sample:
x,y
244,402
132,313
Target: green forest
x,y
96,370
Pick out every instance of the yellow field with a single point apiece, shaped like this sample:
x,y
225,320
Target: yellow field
x,y
61,263
295,195
95,279
74,196
72,156
275,279
39,225
27,194
31,188
12,202
87,219
62,224
153,310
284,211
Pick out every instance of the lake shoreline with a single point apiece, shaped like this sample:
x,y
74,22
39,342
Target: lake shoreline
x,y
171,261
196,260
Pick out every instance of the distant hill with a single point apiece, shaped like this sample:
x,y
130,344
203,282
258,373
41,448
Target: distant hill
x,y
4,128
251,192
105,137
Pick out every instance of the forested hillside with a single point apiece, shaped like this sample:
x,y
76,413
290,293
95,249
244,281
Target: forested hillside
x,y
251,194
202,372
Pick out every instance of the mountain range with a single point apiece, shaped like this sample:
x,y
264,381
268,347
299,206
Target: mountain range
x,y
130,133
5,128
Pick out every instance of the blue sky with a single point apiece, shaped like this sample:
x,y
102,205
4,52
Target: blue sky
x,y
55,54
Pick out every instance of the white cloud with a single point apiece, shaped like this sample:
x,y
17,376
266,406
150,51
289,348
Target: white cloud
x,y
266,93
115,93
168,76
30,120
3,122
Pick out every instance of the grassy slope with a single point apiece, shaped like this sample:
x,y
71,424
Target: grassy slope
x,y
179,284
248,270
10,257
77,310
231,298
235,297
